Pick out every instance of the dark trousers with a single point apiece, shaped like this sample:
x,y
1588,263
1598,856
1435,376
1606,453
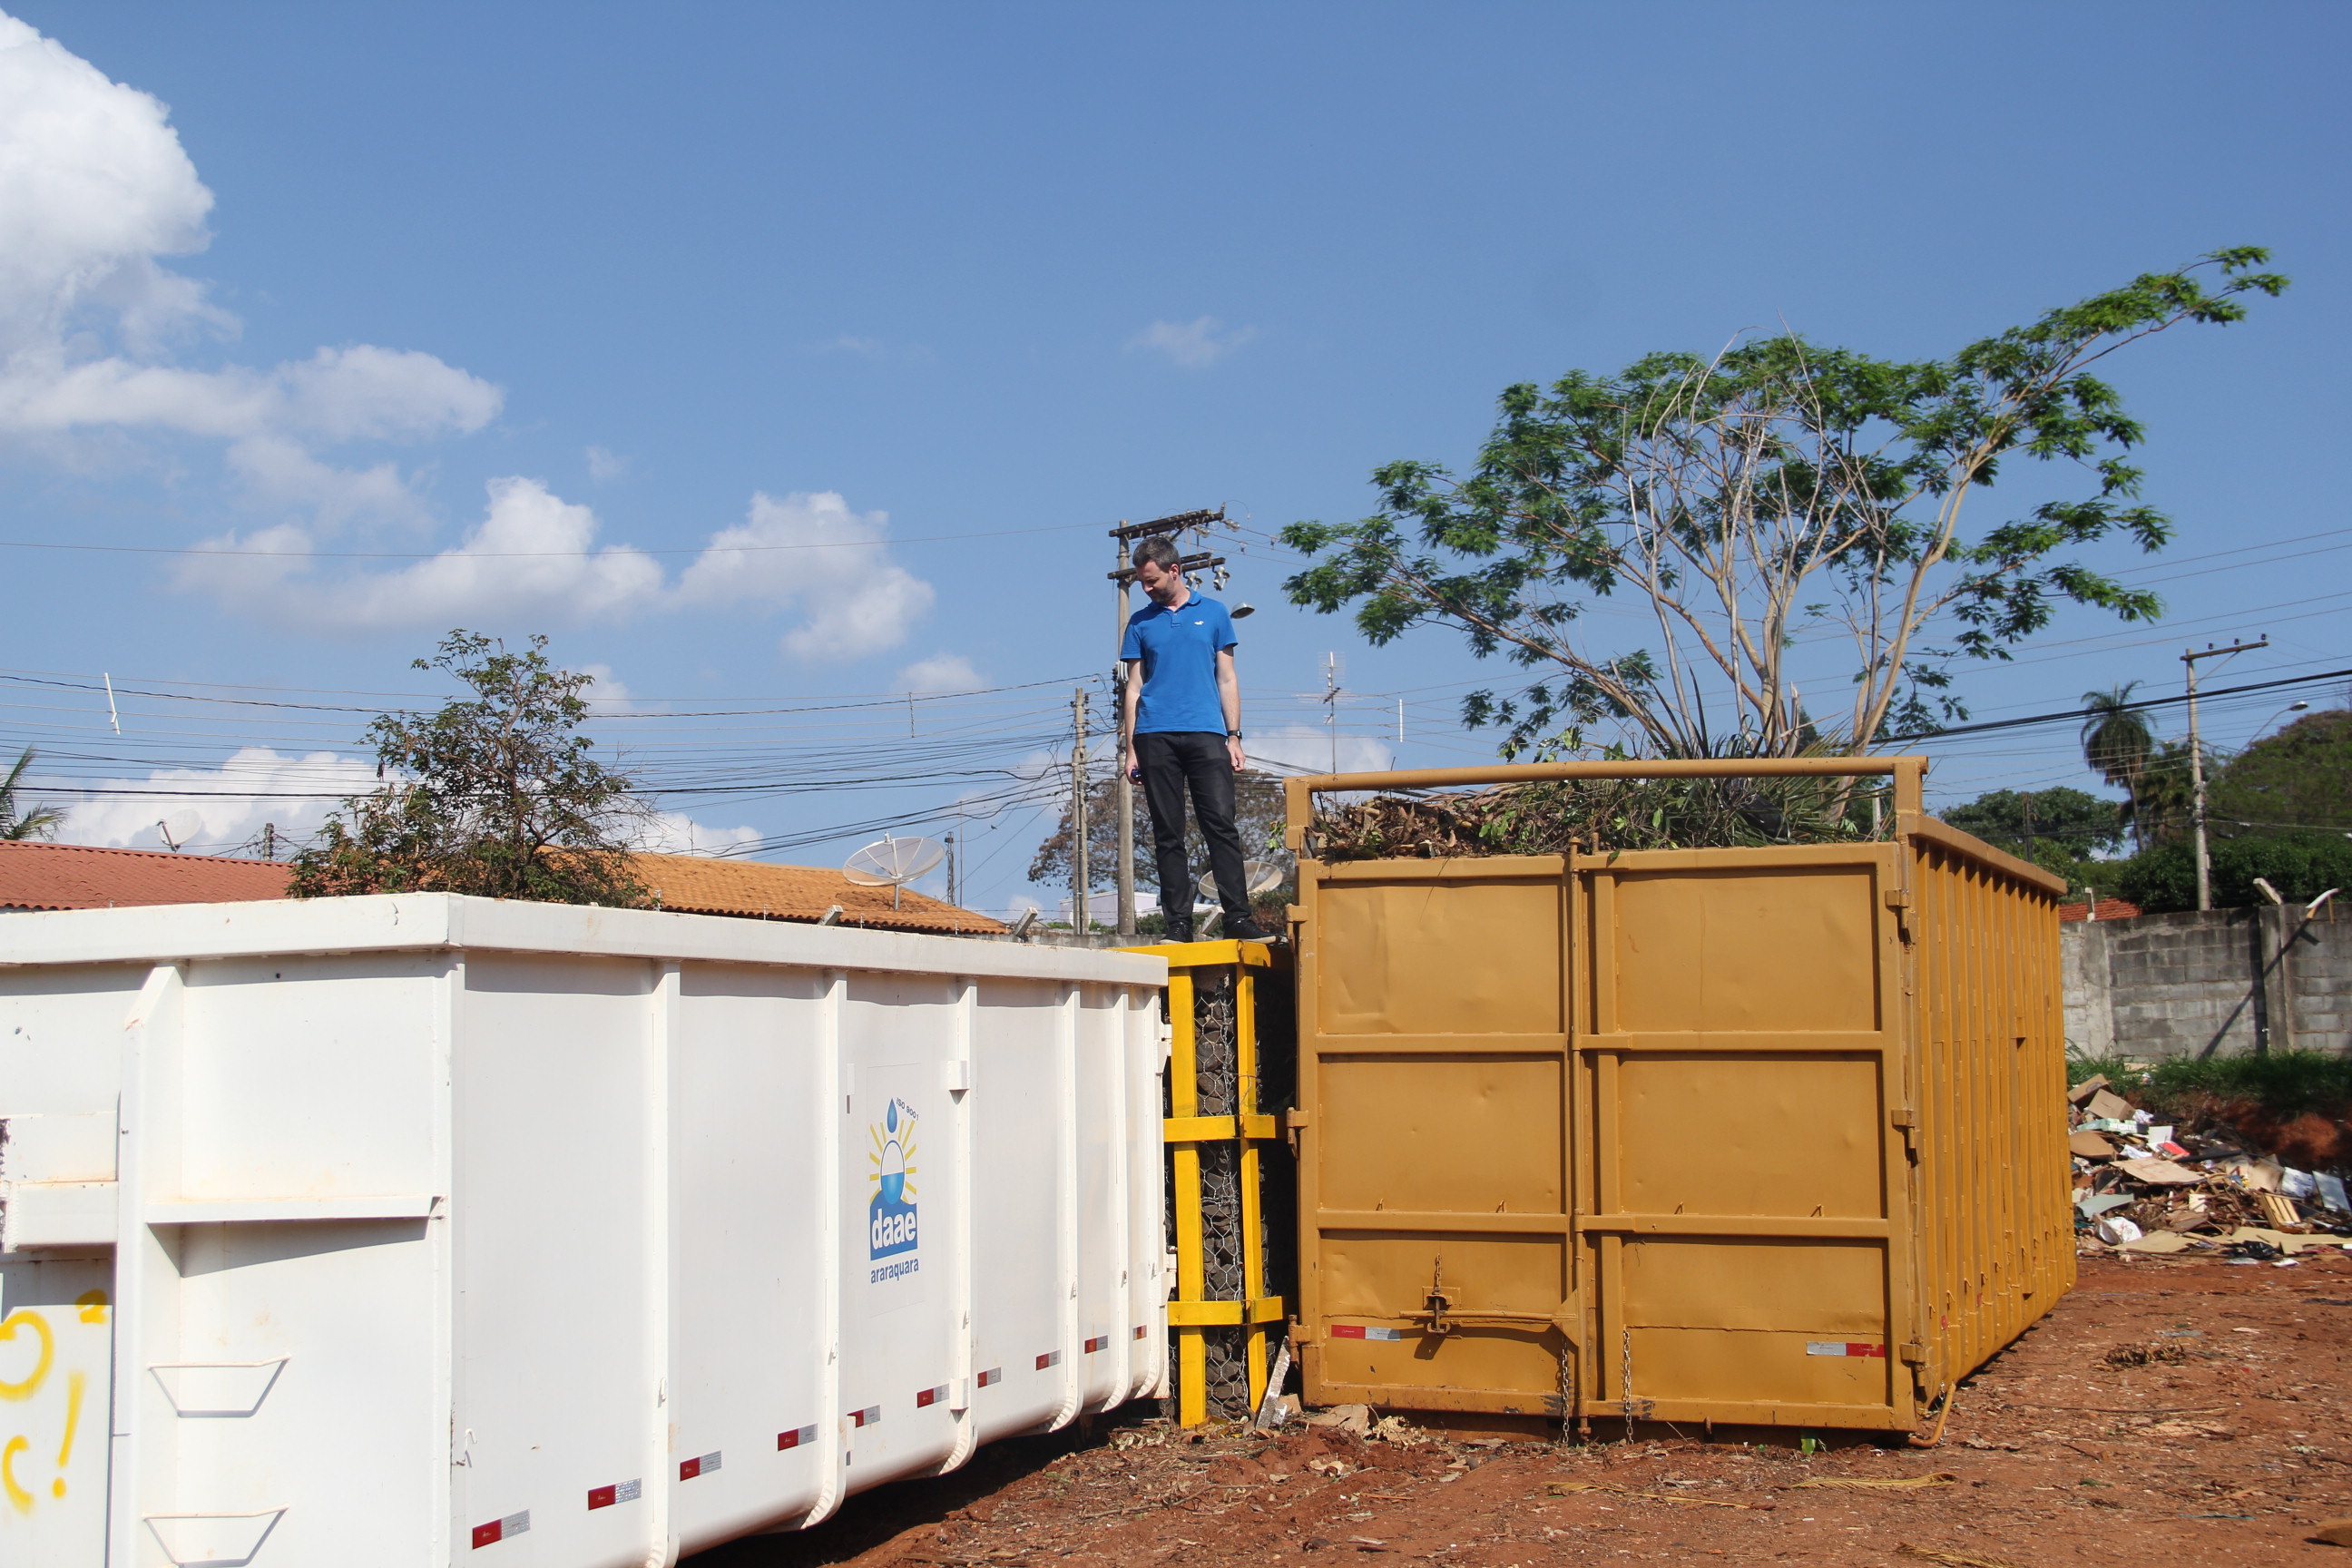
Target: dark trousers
x,y
1169,760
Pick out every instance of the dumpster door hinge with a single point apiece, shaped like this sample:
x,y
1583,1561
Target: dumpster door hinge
x,y
1908,1122
1914,1353
1899,900
1294,1122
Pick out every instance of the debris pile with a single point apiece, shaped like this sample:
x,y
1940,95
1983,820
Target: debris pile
x,y
2145,1186
1594,816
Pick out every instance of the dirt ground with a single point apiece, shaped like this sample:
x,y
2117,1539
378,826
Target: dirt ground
x,y
2169,1411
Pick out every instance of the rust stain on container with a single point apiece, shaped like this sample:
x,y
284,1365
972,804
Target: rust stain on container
x,y
1760,1135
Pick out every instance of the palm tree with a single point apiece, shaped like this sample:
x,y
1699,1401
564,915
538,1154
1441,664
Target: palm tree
x,y
40,822
2117,743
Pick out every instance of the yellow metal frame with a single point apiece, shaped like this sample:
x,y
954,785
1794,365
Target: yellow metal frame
x,y
1184,1132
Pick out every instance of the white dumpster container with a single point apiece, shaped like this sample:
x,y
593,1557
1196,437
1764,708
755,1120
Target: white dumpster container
x,y
432,1229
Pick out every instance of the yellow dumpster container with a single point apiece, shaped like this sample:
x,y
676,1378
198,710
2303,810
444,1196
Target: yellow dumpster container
x,y
1767,1136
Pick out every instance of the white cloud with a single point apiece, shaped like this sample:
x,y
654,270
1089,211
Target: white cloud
x,y
534,560
533,557
604,466
294,794
95,191
675,833
855,600
233,801
1194,344
940,672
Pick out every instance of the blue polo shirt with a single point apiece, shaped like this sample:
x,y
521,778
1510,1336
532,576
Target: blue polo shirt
x,y
1179,649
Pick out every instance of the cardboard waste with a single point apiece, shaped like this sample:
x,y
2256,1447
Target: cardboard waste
x,y
2144,1185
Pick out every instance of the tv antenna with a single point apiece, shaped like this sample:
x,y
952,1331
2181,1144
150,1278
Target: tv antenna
x,y
179,828
893,863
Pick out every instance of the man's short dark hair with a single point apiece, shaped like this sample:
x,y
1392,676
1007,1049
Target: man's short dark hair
x,y
1159,549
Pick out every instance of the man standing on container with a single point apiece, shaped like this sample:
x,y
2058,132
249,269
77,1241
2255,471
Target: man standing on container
x,y
1180,728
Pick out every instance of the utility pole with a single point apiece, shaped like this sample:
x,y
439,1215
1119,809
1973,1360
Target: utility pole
x,y
2197,762
1122,575
1119,759
1079,878
955,855
270,841
1331,704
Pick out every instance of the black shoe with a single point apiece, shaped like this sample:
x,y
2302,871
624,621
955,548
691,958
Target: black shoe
x,y
1246,930
1176,932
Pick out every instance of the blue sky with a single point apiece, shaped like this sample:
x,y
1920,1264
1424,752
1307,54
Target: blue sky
x,y
966,285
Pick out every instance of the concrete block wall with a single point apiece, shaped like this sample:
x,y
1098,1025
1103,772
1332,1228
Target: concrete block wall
x,y
2208,983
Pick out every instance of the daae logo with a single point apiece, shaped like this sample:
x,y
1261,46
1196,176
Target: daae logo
x,y
890,1218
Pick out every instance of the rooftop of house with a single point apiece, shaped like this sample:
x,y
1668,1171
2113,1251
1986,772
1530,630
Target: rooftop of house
x,y
85,876
2109,909
703,884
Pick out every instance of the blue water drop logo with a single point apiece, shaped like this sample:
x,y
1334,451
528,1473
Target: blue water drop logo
x,y
890,1116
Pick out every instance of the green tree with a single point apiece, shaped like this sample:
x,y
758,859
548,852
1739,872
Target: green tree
x,y
2301,866
2300,777
496,795
2163,799
17,821
1774,496
2117,742
2074,822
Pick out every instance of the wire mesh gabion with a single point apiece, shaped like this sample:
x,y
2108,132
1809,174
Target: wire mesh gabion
x,y
1216,1042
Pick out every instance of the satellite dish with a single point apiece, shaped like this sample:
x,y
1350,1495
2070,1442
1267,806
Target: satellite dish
x,y
1261,875
180,826
893,863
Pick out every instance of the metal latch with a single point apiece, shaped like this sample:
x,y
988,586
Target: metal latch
x,y
1908,1121
1436,1303
1294,1122
1899,900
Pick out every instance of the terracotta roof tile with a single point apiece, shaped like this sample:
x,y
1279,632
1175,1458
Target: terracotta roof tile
x,y
700,884
2109,909
84,877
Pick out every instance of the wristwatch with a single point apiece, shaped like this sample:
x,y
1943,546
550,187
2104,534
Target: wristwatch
x,y
1232,734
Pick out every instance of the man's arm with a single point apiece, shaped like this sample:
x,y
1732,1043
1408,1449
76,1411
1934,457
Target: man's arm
x,y
1229,697
1130,692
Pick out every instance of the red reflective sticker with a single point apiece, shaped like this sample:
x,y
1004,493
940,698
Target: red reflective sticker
x,y
601,1497
486,1535
688,1468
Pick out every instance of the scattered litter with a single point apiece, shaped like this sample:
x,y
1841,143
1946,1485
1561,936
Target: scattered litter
x,y
2148,1355
2160,1173
2108,1106
1871,1484
1356,1420
2143,1186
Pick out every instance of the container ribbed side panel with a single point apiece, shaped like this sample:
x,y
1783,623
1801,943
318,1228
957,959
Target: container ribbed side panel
x,y
1993,1175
